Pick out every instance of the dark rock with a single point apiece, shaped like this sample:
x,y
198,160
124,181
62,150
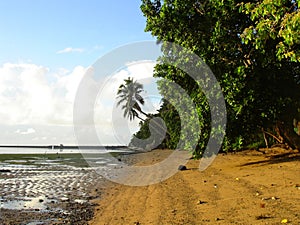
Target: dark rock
x,y
5,171
201,202
90,197
182,167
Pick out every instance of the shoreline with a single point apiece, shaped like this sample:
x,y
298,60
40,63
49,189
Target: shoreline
x,y
47,190
246,187
260,184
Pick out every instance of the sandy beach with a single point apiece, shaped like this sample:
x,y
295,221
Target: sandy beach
x,y
248,187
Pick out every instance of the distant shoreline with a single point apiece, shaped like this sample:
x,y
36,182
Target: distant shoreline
x,y
65,146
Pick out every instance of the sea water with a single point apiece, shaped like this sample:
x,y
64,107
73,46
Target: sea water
x,y
30,178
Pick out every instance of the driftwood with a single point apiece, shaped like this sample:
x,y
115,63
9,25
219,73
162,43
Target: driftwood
x,y
278,139
285,135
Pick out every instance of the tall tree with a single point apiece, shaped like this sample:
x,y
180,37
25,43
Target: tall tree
x,y
131,100
260,85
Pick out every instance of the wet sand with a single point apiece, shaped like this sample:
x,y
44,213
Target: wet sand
x,y
243,188
47,191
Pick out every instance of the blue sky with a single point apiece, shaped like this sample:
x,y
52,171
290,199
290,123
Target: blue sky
x,y
45,50
36,31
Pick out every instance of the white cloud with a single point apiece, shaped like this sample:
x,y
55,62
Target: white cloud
x,y
33,96
108,117
39,102
139,71
28,131
70,50
29,96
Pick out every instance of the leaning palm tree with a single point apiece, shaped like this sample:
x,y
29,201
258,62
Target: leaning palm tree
x,y
130,96
131,100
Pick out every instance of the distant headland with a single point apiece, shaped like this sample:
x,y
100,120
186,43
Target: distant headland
x,y
61,146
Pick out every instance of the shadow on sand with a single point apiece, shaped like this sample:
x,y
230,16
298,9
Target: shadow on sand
x,y
277,158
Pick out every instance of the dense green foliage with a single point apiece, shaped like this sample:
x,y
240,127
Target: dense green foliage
x,y
252,49
276,24
172,121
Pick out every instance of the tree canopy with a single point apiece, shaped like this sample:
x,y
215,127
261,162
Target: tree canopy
x,y
276,23
252,49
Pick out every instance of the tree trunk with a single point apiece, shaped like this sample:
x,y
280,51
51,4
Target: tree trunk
x,y
265,138
279,139
145,114
286,130
140,118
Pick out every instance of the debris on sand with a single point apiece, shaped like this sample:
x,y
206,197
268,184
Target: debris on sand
x,y
182,167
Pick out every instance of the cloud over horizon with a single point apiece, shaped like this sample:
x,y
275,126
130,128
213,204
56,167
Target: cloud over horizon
x,y
32,95
37,104
25,132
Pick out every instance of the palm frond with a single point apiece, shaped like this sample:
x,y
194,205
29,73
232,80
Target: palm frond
x,y
129,95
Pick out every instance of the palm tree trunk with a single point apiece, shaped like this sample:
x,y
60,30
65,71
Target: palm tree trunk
x,y
145,114
140,118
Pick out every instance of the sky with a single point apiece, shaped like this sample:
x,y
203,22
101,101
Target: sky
x,y
46,48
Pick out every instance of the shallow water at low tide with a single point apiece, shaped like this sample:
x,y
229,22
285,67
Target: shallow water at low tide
x,y
42,184
44,178
38,203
